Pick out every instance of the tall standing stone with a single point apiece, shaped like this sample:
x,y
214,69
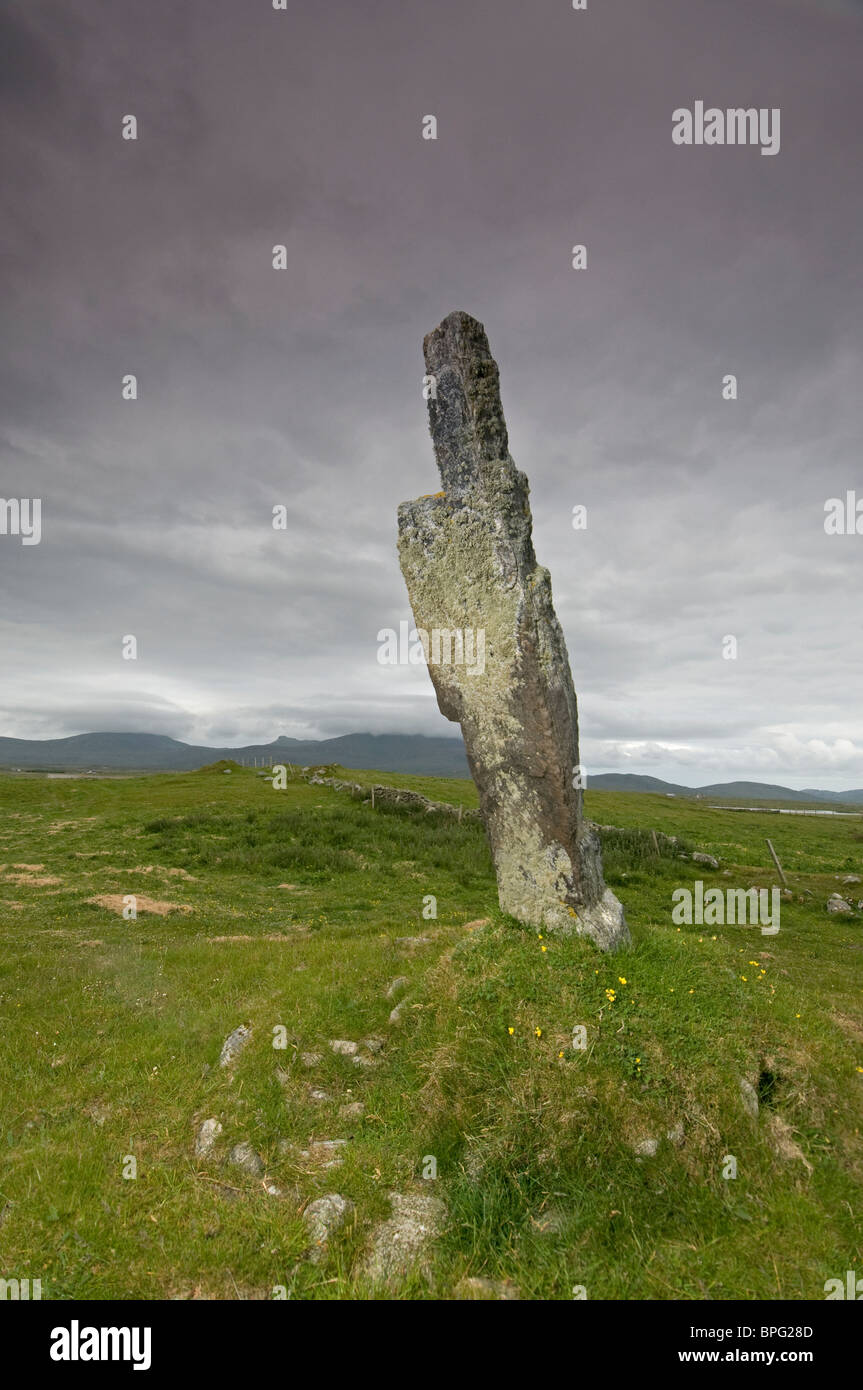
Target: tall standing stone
x,y
495,649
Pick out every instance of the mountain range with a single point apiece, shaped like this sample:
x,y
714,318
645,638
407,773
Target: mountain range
x,y
407,753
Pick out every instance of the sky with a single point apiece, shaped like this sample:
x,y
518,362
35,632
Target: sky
x,y
302,387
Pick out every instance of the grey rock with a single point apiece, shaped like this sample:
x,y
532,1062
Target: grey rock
x,y
244,1156
749,1096
707,859
399,983
403,1242
396,1015
206,1137
852,878
354,1110
324,1153
362,1060
676,1135
323,1218
837,906
646,1148
311,1059
343,1048
233,1045
317,1094
373,1045
468,561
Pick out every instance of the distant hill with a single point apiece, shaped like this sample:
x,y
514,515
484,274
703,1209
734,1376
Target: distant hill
x,y
426,757
429,757
744,791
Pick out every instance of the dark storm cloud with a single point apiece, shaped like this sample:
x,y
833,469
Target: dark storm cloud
x,y
302,387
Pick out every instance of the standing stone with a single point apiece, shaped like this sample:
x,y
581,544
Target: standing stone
x,y
495,650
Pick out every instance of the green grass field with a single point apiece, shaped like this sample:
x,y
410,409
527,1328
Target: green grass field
x,y
287,909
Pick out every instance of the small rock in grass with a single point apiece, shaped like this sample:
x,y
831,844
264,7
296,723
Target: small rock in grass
x,y
374,1045
353,1111
323,1218
363,1061
324,1153
676,1135
234,1044
317,1094
396,1015
402,1242
311,1059
207,1136
707,859
343,1048
486,1290
646,1148
749,1096
244,1156
413,940
852,878
838,907
399,983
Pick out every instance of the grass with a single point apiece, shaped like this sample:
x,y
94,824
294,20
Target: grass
x,y
289,909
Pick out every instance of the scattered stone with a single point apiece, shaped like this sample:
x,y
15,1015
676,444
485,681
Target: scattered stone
x,y
646,1148
468,561
413,940
838,907
319,1095
323,1218
399,983
676,1135
501,1290
363,1061
324,1153
273,1191
206,1137
749,1096
374,1045
343,1048
852,878
403,1241
707,859
311,1059
396,1015
244,1156
233,1045
353,1111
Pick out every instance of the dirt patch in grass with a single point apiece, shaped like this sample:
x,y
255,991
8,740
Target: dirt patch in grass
x,y
169,873
849,1026
30,878
268,936
115,902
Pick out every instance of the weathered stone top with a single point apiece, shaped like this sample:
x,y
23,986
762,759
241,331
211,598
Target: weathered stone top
x,y
466,420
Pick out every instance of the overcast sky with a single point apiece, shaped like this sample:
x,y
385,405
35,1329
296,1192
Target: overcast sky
x,y
302,387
